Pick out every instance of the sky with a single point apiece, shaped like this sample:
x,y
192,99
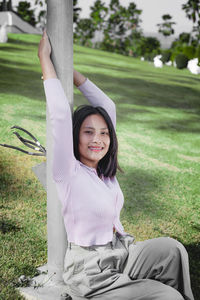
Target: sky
x,y
152,11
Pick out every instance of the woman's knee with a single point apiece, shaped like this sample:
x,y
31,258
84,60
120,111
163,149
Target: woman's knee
x,y
169,245
172,294
160,291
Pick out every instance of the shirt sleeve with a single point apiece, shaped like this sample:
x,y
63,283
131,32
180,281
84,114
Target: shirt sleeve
x,y
97,97
64,161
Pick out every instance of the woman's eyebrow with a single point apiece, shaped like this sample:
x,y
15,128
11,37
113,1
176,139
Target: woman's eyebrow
x,y
93,127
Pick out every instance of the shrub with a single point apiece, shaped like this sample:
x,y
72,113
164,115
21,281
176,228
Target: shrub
x,y
197,54
147,45
181,61
182,40
166,56
184,37
176,51
149,56
189,51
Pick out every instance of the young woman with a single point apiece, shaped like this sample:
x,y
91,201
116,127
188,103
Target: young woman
x,y
102,260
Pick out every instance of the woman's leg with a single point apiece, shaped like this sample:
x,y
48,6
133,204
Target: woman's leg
x,y
141,289
124,287
162,259
127,271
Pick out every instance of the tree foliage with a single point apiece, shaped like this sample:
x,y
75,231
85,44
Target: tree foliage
x,y
98,15
166,27
192,10
84,32
77,11
184,37
121,27
118,24
26,13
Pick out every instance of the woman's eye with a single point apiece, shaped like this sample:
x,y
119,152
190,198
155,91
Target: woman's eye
x,y
88,131
104,133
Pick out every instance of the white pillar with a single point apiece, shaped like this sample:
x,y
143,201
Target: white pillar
x,y
60,32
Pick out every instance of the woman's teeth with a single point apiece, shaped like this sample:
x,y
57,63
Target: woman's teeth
x,y
95,148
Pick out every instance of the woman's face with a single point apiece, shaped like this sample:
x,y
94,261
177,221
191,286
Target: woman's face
x,y
94,140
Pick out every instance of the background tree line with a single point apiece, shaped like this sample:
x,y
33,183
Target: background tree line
x,y
120,28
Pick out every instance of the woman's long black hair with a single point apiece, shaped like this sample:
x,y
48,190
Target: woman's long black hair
x,y
108,165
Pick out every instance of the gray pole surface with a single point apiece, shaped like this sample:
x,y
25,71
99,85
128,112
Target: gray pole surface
x,y
60,32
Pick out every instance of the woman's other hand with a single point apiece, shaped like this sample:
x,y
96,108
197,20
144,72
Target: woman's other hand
x,y
78,78
44,48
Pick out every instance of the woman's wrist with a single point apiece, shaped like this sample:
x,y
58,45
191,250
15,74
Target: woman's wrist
x,y
78,78
44,57
47,67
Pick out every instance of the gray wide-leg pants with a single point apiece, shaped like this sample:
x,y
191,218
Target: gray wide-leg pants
x,y
155,269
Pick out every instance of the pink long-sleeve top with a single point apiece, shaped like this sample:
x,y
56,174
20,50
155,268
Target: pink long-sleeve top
x,y
90,206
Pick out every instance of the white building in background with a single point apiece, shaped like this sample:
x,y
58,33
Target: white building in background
x,y
16,24
3,33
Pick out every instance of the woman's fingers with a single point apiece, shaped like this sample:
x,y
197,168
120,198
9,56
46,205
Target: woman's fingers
x,y
45,32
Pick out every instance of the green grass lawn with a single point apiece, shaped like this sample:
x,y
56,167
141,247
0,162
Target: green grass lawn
x,y
159,150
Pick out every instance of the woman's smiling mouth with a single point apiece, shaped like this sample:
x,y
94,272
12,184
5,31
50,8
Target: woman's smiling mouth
x,y
96,149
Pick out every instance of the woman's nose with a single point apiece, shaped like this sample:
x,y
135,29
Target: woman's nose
x,y
97,138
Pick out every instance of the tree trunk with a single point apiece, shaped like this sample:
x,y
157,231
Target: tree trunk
x,y
60,32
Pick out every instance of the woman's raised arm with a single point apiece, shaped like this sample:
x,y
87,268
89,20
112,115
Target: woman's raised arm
x,y
64,161
95,95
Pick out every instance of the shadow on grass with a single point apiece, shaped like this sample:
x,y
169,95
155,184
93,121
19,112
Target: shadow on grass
x,y
181,125
152,95
22,41
11,63
139,187
101,53
135,68
20,82
12,182
12,49
7,226
95,64
131,91
194,261
193,251
184,78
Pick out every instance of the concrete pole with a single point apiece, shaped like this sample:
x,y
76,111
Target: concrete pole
x,y
60,32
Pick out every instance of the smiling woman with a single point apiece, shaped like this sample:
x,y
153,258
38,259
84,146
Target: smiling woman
x,y
100,262
94,140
